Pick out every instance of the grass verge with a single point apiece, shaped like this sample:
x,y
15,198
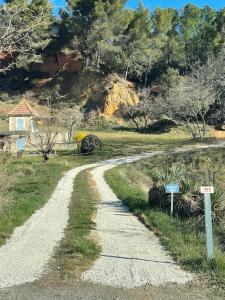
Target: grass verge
x,y
79,247
36,181
183,238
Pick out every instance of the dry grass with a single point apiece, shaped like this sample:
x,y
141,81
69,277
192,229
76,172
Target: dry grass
x,y
134,137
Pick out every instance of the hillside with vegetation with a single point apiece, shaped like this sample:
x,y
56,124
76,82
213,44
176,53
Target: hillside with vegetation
x,y
102,56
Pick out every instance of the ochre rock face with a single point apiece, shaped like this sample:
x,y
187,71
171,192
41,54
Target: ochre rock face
x,y
95,91
120,93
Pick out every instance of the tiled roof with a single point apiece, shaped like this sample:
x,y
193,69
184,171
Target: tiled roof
x,y
22,109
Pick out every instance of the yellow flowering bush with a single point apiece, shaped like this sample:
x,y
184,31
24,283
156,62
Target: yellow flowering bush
x,y
78,138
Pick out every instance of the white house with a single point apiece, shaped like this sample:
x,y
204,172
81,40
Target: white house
x,y
22,118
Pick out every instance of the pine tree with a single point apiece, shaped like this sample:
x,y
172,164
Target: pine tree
x,y
136,44
42,35
166,31
190,21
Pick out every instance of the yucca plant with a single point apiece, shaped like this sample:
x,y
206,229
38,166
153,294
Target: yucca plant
x,y
161,177
166,175
188,200
218,204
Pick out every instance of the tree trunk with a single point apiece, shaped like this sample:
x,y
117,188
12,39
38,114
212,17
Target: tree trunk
x,y
146,78
136,124
70,133
45,155
146,123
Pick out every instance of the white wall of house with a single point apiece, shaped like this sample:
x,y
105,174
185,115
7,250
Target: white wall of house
x,y
13,123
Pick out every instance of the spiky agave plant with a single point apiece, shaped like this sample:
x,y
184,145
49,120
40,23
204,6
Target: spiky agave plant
x,y
218,204
188,201
162,176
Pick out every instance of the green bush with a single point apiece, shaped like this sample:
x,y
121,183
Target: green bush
x,y
188,203
4,97
90,144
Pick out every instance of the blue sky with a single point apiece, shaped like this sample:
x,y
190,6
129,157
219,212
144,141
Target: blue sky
x,y
152,4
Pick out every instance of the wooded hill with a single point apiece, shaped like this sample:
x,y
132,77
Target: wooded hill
x,y
103,37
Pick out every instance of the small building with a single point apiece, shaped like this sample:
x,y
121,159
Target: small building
x,y
22,118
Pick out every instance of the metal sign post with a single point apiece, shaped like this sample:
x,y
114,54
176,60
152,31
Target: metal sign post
x,y
172,189
207,191
171,206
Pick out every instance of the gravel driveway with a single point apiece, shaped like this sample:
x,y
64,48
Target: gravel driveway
x,y
24,258
131,256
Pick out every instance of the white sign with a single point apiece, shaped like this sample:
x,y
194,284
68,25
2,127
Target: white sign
x,y
207,189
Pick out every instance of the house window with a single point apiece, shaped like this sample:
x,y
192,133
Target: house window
x,y
20,124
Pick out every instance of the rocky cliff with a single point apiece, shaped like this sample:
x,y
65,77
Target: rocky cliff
x,y
94,91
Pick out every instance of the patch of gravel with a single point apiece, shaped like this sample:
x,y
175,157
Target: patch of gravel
x,y
131,256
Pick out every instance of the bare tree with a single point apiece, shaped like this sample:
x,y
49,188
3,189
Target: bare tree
x,y
16,33
145,112
70,118
189,101
45,138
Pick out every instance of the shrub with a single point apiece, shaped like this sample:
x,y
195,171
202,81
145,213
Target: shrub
x,y
161,177
90,144
166,175
189,202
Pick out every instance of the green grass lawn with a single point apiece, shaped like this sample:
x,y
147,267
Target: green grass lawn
x,y
78,250
184,238
35,183
119,143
